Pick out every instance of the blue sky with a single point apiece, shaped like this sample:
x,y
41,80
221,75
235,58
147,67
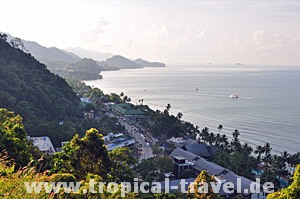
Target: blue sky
x,y
172,31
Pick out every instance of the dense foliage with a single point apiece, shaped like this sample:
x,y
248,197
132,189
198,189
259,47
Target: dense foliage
x,y
293,191
13,138
164,125
29,89
81,160
48,105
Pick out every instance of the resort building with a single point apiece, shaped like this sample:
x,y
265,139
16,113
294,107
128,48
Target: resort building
x,y
113,141
43,143
128,111
186,160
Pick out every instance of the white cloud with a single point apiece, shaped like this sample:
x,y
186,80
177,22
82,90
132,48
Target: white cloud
x,y
95,31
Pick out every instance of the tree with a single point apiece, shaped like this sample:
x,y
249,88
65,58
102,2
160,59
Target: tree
x,y
3,36
179,115
291,192
198,184
13,138
157,150
122,161
220,127
259,151
204,134
17,43
84,155
235,143
168,107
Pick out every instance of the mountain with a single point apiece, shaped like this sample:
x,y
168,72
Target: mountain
x,y
145,63
43,99
122,62
85,69
69,65
51,54
90,53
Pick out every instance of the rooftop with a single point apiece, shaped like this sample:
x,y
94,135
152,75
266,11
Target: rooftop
x,y
43,143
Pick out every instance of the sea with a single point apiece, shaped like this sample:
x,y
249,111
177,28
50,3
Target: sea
x,y
267,108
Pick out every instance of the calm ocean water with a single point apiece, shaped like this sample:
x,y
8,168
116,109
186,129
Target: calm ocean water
x,y
267,110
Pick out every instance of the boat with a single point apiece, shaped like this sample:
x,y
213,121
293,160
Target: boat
x,y
234,96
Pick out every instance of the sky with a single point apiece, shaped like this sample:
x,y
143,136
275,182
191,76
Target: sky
x,y
171,31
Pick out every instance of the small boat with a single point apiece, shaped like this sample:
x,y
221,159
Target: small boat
x,y
234,96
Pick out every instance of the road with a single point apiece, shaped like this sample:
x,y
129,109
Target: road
x,y
134,132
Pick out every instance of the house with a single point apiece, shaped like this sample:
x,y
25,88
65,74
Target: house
x,y
187,160
199,149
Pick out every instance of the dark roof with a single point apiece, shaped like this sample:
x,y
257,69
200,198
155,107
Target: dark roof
x,y
198,149
178,152
175,186
212,150
232,177
190,141
203,165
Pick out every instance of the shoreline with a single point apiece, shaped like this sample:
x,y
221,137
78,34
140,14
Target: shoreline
x,y
250,132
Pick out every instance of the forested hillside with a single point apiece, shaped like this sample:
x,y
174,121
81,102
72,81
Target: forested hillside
x,y
42,98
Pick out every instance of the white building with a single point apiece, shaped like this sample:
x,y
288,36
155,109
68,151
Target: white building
x,y
43,143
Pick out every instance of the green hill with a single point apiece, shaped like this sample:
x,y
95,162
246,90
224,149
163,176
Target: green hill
x,y
43,99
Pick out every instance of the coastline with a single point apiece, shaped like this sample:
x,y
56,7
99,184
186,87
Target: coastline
x,y
252,130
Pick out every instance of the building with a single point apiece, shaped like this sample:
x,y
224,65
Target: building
x,y
113,141
109,106
186,160
127,110
89,115
43,143
177,141
193,146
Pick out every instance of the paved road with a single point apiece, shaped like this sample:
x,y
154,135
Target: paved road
x,y
147,150
134,132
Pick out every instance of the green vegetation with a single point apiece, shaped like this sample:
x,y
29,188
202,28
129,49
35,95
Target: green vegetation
x,y
239,158
13,138
154,169
42,98
203,177
293,191
81,160
85,69
47,103
163,125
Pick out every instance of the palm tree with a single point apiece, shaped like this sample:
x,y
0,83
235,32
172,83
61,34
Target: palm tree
x,y
211,138
285,156
204,134
294,160
218,139
224,142
268,159
220,127
247,149
267,149
259,151
278,165
168,107
235,143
